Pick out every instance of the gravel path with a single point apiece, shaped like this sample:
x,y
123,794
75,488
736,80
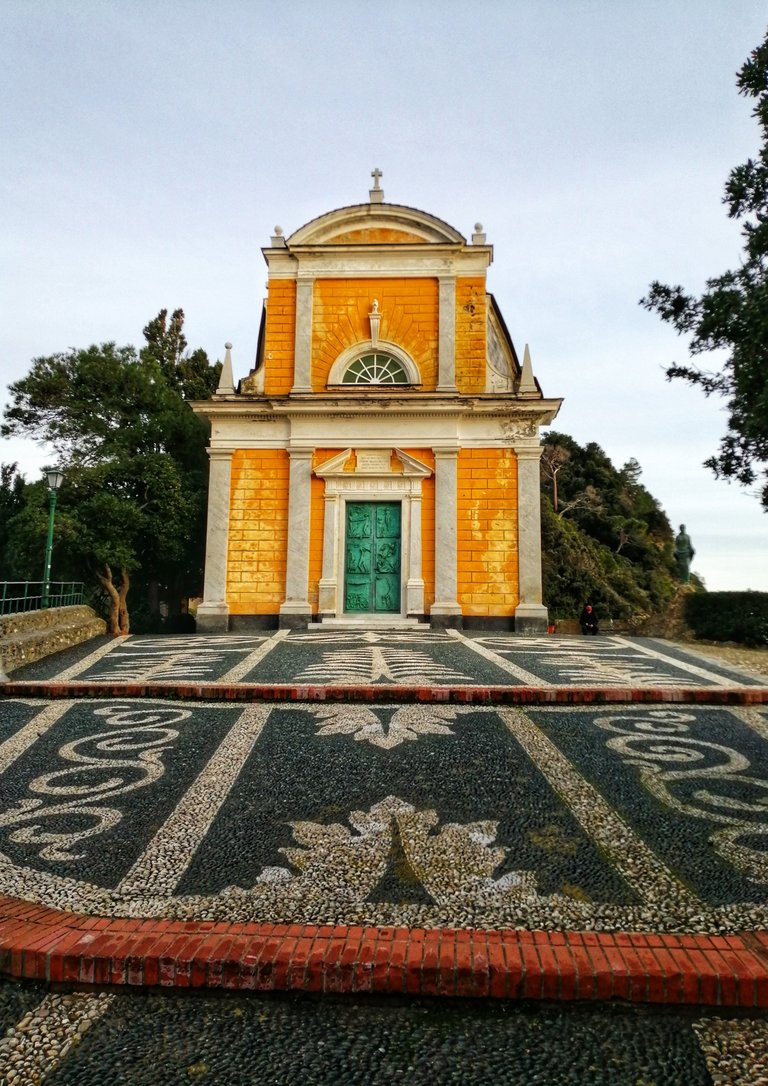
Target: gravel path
x,y
754,661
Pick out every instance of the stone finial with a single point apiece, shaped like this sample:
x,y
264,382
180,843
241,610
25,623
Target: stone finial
x,y
478,238
278,241
527,386
376,194
226,380
375,318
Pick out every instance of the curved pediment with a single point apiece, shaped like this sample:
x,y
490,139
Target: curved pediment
x,y
375,224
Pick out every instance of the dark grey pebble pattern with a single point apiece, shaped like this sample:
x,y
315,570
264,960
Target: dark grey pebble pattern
x,y
240,1041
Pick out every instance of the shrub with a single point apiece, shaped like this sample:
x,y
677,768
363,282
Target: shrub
x,y
729,616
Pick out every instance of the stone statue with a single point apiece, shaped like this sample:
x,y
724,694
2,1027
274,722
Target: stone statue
x,y
684,552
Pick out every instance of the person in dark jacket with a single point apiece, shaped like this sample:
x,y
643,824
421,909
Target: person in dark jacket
x,y
588,620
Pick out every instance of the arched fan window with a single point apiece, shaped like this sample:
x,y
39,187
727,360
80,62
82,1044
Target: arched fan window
x,y
376,368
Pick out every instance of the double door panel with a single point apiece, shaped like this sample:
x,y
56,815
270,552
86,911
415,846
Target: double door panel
x,y
372,557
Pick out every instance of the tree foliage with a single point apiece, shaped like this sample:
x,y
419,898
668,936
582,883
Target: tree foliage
x,y
732,313
132,505
614,546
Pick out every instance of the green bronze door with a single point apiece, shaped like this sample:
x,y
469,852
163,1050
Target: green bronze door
x,y
372,558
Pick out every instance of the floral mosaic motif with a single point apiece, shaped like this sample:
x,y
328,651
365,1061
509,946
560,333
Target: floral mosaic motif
x,y
362,724
455,864
169,659
700,779
101,767
609,661
374,664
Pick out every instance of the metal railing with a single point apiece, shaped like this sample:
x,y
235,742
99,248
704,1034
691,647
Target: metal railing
x,y
19,596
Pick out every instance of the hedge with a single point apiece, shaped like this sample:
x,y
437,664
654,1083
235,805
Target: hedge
x,y
729,616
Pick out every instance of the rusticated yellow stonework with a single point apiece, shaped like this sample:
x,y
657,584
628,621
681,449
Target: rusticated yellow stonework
x,y
279,337
316,524
471,320
258,531
487,531
409,316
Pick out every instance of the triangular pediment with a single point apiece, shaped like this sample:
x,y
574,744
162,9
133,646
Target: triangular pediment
x,y
372,462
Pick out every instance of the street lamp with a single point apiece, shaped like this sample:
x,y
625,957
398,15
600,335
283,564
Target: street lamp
x,y
54,478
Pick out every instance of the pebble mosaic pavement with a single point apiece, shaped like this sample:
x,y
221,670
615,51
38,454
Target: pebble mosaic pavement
x,y
89,1040
598,818
396,657
602,819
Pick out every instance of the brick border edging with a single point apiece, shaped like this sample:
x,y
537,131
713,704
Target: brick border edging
x,y
38,943
465,695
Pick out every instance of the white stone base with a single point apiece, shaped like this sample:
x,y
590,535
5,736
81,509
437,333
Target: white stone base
x,y
295,615
213,617
531,618
446,616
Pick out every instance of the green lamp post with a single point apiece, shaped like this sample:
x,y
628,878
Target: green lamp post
x,y
54,478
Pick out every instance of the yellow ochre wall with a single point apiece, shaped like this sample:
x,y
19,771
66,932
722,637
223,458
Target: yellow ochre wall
x,y
280,337
471,322
486,520
258,531
487,531
317,525
409,316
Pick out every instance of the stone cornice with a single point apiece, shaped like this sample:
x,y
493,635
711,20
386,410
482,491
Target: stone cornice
x,y
378,261
421,405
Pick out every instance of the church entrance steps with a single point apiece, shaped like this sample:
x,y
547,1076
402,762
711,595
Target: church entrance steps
x,y
369,623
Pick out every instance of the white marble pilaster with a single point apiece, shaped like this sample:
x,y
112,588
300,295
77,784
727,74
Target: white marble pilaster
x,y
414,585
295,611
329,586
446,335
530,613
302,354
445,611
213,612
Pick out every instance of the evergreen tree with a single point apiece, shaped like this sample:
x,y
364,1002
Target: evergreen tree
x,y
609,541
132,506
12,487
732,313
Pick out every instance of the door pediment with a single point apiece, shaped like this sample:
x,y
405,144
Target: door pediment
x,y
371,464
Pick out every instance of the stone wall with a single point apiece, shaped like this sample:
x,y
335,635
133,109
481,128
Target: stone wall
x,y
25,638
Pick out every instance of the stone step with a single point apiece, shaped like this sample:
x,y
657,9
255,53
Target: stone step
x,y
370,622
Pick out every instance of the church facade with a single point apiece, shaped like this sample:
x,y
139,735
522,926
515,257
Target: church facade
x,y
380,463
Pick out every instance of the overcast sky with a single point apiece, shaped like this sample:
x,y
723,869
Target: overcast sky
x,y
149,149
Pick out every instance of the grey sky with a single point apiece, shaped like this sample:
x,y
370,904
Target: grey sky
x,y
150,148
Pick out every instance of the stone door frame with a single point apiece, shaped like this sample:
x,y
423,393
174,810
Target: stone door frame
x,y
372,480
